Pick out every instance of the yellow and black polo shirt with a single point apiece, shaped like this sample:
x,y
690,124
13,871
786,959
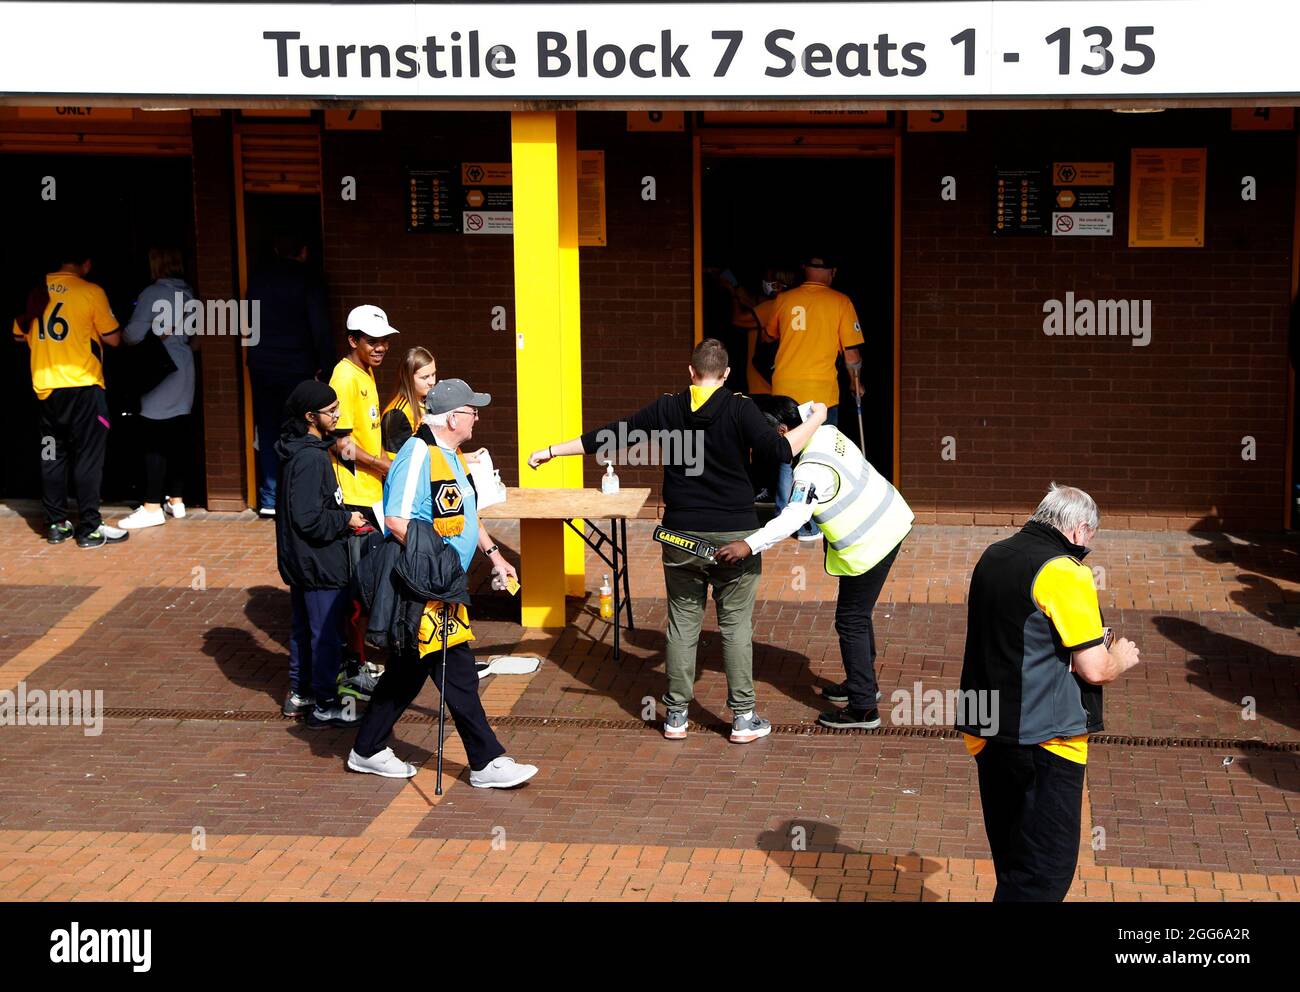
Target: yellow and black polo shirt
x,y
1032,604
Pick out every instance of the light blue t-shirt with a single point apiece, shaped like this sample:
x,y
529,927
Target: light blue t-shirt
x,y
408,493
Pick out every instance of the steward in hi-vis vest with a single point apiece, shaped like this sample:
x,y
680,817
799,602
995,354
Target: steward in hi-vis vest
x,y
863,520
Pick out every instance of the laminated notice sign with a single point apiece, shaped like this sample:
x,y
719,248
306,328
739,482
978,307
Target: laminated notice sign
x,y
1167,198
591,198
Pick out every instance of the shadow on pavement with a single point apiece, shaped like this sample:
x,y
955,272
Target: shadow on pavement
x,y
796,846
1231,669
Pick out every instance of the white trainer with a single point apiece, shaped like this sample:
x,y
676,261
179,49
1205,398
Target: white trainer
x,y
174,510
383,763
503,773
143,518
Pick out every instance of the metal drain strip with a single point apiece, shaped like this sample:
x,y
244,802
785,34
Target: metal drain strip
x,y
786,729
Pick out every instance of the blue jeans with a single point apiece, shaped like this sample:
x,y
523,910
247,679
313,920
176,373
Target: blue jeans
x,y
316,643
270,391
785,478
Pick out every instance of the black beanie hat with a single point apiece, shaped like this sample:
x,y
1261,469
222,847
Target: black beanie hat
x,y
308,396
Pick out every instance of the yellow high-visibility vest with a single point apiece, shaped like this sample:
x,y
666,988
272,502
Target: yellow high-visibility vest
x,y
865,517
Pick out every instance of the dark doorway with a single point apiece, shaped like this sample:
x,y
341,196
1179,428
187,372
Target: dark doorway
x,y
771,212
121,206
269,215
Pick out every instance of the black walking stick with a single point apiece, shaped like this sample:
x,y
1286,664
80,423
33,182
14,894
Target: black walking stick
x,y
442,699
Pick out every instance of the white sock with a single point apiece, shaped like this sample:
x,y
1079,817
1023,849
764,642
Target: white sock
x,y
744,716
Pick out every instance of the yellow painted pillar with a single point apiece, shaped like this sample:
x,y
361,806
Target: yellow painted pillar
x,y
547,356
570,396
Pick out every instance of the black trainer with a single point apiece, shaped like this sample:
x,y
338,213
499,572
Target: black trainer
x,y
103,535
58,533
849,718
839,693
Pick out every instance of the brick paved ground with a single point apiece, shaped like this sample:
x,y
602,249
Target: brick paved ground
x,y
184,629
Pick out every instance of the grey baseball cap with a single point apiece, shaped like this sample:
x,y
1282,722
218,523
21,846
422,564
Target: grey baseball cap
x,y
449,394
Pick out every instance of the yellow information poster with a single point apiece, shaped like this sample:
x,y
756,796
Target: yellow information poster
x,y
591,199
1166,206
486,174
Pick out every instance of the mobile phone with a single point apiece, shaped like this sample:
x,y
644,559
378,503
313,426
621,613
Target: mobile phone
x,y
1107,635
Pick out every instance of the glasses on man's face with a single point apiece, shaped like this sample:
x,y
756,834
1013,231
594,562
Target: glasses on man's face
x,y
332,414
471,411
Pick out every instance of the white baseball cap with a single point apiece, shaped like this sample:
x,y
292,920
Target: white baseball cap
x,y
370,321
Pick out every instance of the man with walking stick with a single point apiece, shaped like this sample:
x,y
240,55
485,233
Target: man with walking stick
x,y
814,324
429,482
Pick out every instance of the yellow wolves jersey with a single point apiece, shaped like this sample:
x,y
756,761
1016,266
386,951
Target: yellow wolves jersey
x,y
359,411
66,340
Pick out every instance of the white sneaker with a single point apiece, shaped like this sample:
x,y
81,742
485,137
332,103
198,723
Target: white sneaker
x,y
503,773
143,518
176,510
383,763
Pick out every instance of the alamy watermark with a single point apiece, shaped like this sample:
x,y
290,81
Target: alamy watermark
x,y
1099,318
657,447
920,707
55,708
74,945
209,318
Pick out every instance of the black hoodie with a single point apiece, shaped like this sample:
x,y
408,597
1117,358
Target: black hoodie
x,y
311,524
707,485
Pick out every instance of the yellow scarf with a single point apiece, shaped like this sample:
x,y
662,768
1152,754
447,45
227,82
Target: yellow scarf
x,y
700,395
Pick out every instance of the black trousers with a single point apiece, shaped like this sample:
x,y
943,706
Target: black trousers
x,y
857,598
1033,805
74,437
401,682
167,446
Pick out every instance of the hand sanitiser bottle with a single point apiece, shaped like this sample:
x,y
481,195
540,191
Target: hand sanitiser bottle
x,y
606,599
609,481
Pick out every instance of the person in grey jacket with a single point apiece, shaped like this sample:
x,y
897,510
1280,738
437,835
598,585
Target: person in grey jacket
x,y
165,409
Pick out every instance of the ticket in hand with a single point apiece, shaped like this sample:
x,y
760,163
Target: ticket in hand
x,y
512,585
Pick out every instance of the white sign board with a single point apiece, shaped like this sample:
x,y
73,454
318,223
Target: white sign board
x,y
1076,224
652,52
487,222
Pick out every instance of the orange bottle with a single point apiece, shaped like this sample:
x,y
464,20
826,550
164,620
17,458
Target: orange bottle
x,y
606,600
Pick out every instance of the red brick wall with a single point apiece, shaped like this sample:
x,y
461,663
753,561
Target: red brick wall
x,y
439,290
221,390
1154,433
638,312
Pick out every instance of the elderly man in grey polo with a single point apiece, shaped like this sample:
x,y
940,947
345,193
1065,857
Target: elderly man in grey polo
x,y
1036,646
